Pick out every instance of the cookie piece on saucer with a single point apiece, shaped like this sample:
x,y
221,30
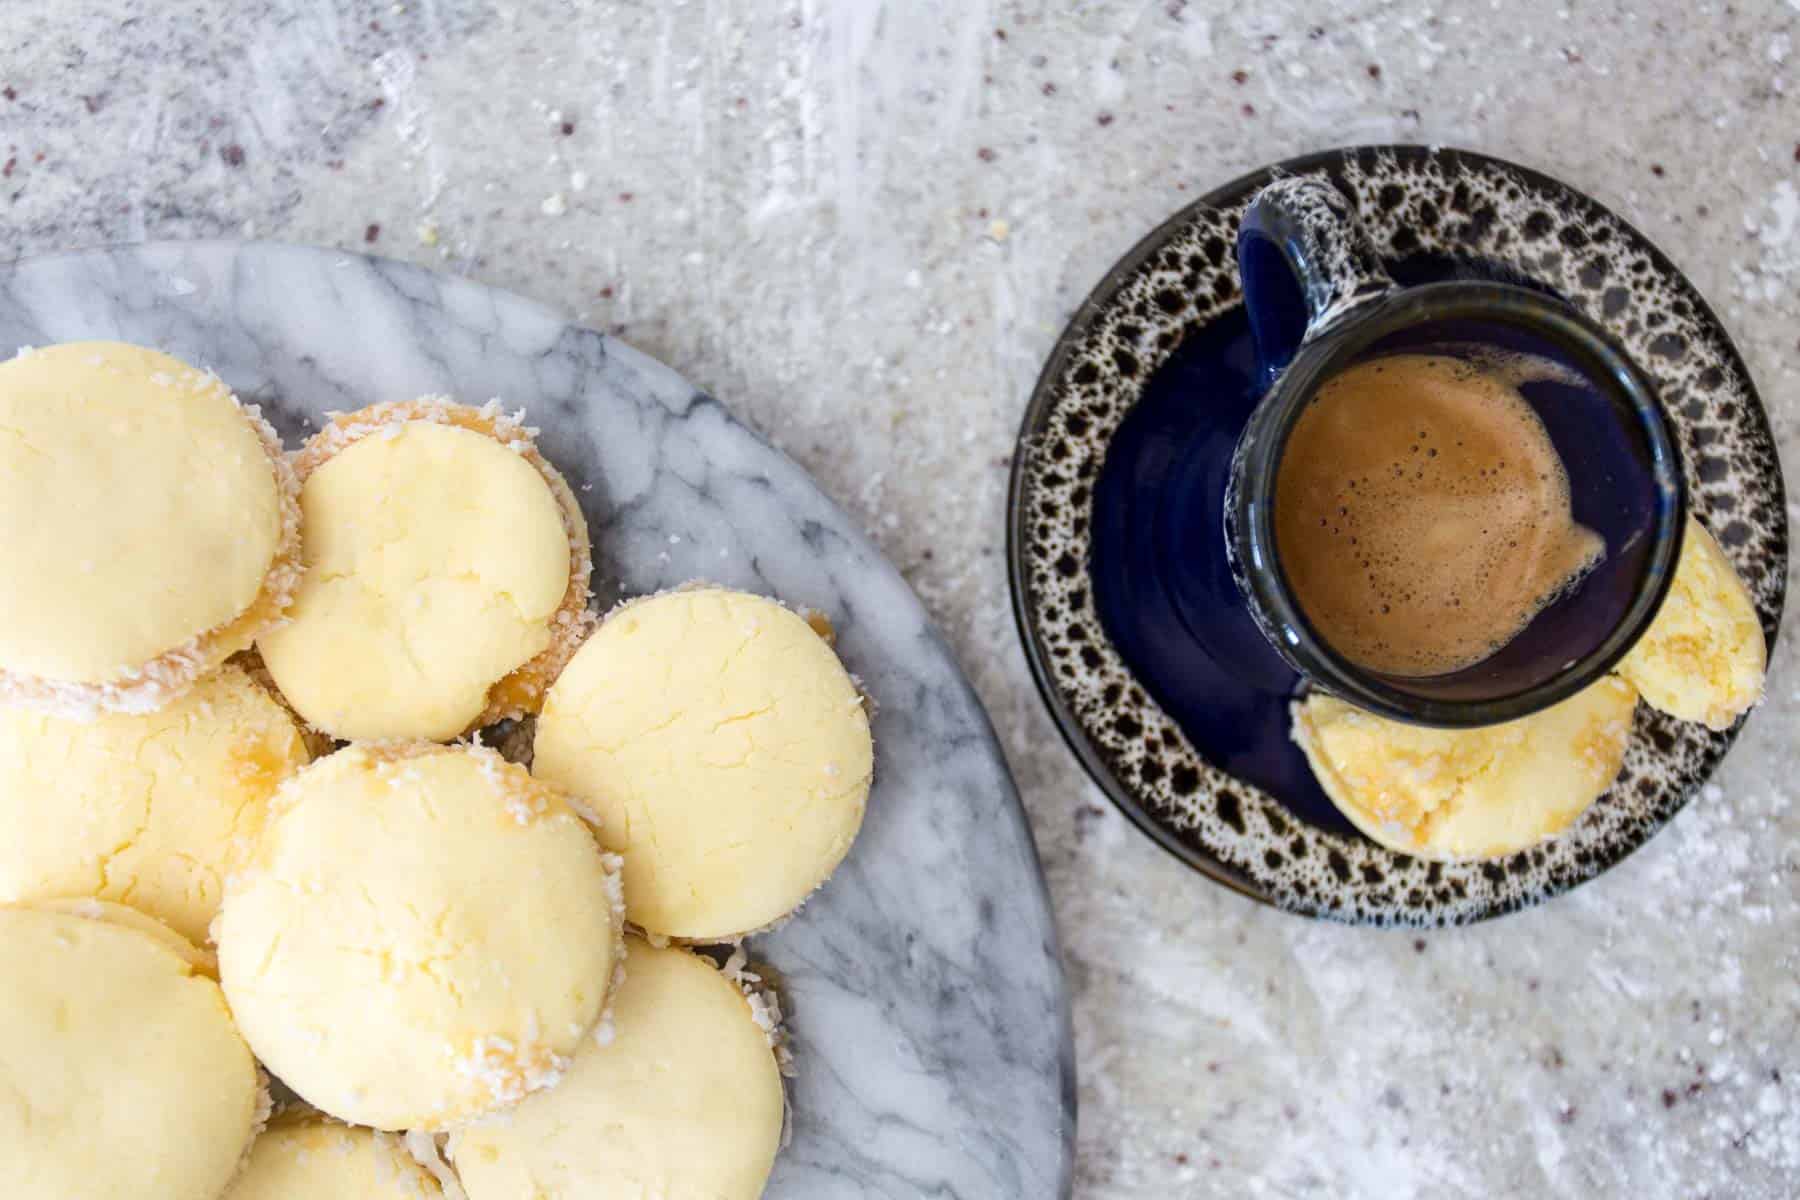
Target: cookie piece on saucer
x,y
725,751
1467,793
424,935
153,809
121,1076
1703,657
447,574
149,528
309,1157
683,1097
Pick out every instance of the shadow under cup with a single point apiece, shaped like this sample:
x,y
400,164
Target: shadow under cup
x,y
1608,427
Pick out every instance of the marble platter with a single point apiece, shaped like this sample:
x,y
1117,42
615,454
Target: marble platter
x,y
925,994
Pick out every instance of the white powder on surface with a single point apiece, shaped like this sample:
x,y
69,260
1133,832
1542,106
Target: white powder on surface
x,y
1772,276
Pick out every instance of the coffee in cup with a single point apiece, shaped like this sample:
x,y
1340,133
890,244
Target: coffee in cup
x,y
1422,514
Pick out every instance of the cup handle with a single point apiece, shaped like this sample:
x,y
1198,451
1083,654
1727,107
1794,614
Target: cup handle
x,y
1304,260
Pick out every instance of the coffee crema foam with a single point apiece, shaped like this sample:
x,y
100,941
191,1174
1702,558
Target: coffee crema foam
x,y
1422,514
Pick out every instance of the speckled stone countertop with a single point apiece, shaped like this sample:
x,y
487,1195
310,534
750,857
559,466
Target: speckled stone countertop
x,y
862,225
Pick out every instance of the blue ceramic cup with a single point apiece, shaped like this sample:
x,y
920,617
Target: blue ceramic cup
x,y
1319,302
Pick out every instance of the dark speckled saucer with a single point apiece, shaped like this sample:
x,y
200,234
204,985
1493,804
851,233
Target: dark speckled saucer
x,y
1173,305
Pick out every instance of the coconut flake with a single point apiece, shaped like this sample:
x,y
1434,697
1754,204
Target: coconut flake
x,y
427,1150
509,1072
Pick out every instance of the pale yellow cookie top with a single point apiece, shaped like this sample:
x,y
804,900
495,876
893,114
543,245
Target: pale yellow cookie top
x,y
152,810
723,748
1467,793
121,1077
685,1100
193,954
312,1158
436,558
1703,658
139,510
421,937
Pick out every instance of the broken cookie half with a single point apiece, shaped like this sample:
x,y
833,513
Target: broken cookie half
x,y
1467,793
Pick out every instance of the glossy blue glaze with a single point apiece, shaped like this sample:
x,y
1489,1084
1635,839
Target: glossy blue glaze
x,y
1279,317
1161,584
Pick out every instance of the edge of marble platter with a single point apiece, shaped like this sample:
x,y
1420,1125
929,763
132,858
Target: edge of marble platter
x,y
974,1097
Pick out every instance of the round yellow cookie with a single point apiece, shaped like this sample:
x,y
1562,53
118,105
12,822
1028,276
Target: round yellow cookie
x,y
684,1100
447,571
121,1077
723,748
1467,793
312,1158
152,810
1703,658
148,527
423,935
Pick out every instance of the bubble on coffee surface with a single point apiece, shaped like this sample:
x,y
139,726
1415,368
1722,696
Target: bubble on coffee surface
x,y
1422,513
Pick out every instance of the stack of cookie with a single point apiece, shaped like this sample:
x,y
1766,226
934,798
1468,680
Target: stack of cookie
x,y
250,822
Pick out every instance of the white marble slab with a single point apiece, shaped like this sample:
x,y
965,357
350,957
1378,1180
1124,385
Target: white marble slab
x,y
925,994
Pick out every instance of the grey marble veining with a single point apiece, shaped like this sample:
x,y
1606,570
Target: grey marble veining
x,y
923,985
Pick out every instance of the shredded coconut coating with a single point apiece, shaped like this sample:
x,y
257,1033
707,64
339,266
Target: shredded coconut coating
x,y
265,1112
166,677
427,1150
265,1103
765,1010
765,1005
615,892
512,1071
520,693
